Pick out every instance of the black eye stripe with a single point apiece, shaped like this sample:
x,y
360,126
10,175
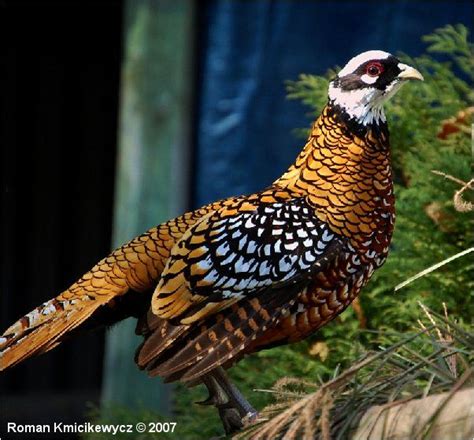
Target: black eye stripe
x,y
353,80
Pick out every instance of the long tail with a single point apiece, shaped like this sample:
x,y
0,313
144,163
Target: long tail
x,y
135,265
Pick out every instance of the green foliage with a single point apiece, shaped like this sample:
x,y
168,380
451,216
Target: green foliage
x,y
453,40
428,230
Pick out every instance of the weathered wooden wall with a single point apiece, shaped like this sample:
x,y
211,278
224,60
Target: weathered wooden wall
x,y
153,162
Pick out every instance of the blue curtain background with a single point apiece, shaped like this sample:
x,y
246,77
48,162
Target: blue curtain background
x,y
250,48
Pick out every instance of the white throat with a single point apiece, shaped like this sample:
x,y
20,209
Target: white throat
x,y
363,105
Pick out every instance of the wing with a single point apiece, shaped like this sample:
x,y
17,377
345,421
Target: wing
x,y
234,254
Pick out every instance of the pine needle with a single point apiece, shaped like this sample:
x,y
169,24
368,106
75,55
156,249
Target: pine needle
x,y
433,268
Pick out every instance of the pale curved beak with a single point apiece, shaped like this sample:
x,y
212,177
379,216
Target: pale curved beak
x,y
408,72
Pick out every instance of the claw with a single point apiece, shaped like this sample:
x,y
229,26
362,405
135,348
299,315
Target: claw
x,y
250,418
217,396
231,420
234,410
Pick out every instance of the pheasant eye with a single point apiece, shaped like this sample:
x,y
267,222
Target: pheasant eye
x,y
374,69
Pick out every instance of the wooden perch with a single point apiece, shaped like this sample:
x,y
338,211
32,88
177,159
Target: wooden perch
x,y
436,417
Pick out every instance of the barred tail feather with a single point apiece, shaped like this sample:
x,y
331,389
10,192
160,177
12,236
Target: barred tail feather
x,y
159,335
44,335
136,265
45,326
42,314
214,345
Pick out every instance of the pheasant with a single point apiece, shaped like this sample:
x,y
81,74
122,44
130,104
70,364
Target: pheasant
x,y
250,272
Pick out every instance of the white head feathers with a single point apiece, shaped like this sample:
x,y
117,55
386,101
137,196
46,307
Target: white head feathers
x,y
362,58
356,91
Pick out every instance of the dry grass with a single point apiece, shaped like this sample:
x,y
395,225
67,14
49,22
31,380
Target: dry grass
x,y
435,359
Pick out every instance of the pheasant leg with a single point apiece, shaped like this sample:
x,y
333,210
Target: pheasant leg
x,y
234,410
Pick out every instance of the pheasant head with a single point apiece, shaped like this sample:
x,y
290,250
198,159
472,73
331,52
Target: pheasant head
x,y
366,82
